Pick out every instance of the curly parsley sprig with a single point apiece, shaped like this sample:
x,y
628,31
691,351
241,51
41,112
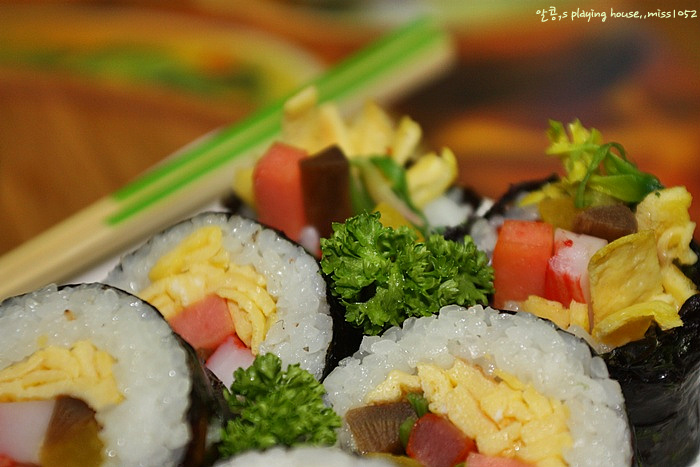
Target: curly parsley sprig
x,y
383,275
272,407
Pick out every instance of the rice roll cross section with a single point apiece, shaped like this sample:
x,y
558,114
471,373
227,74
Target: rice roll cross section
x,y
233,289
93,376
600,249
484,386
607,253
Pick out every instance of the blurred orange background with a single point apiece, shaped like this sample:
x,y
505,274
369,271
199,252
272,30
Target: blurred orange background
x,y
94,93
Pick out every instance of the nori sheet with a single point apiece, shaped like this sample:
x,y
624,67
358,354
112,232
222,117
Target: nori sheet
x,y
660,379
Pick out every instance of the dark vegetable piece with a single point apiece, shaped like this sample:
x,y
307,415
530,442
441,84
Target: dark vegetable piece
x,y
376,427
72,436
659,376
325,179
608,221
437,442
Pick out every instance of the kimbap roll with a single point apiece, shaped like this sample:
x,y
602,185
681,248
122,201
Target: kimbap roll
x,y
607,252
93,376
233,288
483,386
326,166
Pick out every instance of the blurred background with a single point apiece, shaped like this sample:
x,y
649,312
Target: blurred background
x,y
94,93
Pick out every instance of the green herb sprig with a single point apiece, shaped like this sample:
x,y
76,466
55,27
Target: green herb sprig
x,y
272,407
383,276
594,169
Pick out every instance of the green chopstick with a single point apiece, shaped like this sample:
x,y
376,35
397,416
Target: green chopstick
x,y
343,82
203,171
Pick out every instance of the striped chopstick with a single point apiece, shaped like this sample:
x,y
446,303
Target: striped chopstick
x,y
202,171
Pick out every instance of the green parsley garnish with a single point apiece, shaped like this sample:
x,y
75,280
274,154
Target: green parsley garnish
x,y
272,407
383,275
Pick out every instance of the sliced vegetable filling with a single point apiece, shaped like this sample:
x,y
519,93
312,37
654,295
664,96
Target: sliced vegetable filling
x,y
49,402
468,411
207,298
619,240
325,168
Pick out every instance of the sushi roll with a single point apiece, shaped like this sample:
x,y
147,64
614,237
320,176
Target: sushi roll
x,y
607,252
306,456
481,385
233,289
93,376
327,166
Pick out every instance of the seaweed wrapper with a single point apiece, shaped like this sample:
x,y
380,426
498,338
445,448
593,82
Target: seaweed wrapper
x,y
659,376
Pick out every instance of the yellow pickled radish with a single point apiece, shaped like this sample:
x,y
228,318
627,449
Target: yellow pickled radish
x,y
560,212
243,185
391,217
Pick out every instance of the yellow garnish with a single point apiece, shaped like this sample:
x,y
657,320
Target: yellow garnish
x,y
560,212
627,290
666,213
623,273
431,176
243,185
677,284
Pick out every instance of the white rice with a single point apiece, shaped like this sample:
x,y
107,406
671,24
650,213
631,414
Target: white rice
x,y
149,427
306,456
557,364
303,330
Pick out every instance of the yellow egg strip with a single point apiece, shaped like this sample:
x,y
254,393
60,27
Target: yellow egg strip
x,y
630,323
83,372
200,266
666,213
203,246
253,315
